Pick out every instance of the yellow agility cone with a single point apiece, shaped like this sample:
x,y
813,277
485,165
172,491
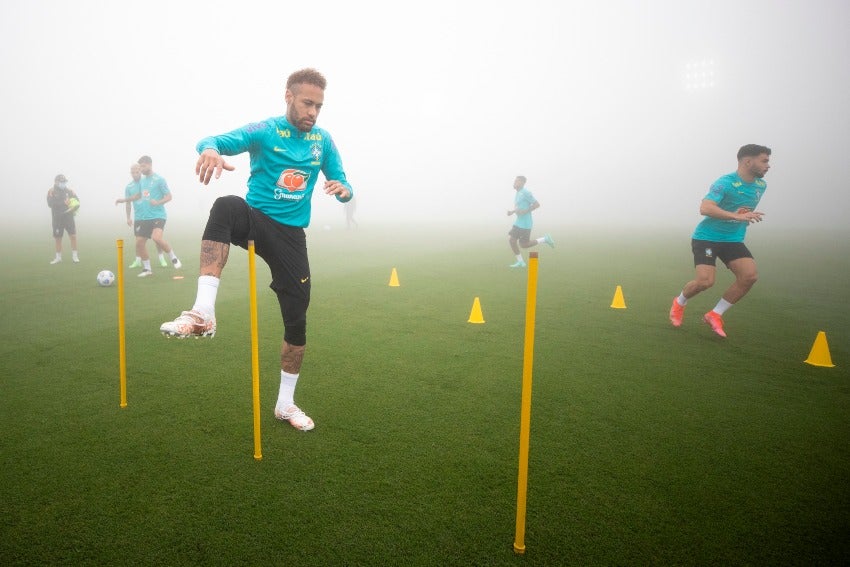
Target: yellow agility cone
x,y
819,355
619,302
394,279
475,316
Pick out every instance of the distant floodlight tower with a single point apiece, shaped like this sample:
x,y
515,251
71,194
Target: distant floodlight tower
x,y
699,75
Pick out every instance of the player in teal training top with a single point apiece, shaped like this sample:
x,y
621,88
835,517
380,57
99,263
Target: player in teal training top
x,y
287,155
520,234
729,208
148,192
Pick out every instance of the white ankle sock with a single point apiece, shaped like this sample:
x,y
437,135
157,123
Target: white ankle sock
x,y
519,258
682,299
207,292
722,306
286,395
147,264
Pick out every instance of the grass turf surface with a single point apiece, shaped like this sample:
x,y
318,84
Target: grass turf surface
x,y
648,444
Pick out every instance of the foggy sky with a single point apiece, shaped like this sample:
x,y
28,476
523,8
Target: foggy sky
x,y
436,106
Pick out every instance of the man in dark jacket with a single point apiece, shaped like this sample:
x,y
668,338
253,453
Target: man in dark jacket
x,y
63,203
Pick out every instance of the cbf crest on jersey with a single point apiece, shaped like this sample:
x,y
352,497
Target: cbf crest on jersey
x,y
316,152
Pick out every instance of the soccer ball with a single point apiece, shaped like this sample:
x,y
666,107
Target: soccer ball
x,y
105,278
73,205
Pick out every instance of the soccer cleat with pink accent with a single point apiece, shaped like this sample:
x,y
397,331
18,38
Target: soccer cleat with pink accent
x,y
189,324
296,418
676,313
716,322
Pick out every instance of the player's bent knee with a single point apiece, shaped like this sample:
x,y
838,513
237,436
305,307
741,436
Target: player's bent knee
x,y
296,335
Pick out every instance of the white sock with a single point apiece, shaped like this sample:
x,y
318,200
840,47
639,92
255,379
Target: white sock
x,y
139,259
161,256
207,292
286,396
173,255
74,255
682,299
58,255
541,240
147,264
722,306
519,258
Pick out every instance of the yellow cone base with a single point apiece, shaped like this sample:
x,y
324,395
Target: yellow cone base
x,y
618,302
475,316
394,279
819,355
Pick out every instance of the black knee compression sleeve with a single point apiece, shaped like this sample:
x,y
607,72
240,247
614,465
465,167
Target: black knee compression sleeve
x,y
229,220
296,335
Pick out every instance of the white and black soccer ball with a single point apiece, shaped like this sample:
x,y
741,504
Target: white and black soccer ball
x,y
105,278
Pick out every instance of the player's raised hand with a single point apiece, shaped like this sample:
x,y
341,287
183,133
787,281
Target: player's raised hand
x,y
210,163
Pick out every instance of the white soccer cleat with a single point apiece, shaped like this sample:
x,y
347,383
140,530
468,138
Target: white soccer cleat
x,y
55,261
177,263
296,418
189,324
145,274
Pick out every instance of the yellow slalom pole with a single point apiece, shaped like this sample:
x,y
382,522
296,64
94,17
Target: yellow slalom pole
x,y
255,348
525,411
122,346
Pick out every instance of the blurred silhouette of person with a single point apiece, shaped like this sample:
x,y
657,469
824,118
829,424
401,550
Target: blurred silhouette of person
x,y
63,203
132,192
350,208
149,211
520,234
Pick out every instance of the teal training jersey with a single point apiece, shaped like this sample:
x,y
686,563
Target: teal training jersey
x,y
522,201
131,189
731,194
153,188
285,165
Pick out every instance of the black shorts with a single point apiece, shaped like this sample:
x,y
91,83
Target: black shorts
x,y
282,247
62,223
145,228
706,252
521,234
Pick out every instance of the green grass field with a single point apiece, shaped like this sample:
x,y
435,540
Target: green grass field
x,y
649,444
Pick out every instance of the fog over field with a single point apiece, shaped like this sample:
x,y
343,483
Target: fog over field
x,y
617,112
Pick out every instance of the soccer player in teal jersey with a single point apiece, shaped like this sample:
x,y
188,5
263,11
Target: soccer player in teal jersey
x,y
287,154
132,199
729,208
520,233
148,193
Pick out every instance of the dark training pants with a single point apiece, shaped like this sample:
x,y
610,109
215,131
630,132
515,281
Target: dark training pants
x,y
282,247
